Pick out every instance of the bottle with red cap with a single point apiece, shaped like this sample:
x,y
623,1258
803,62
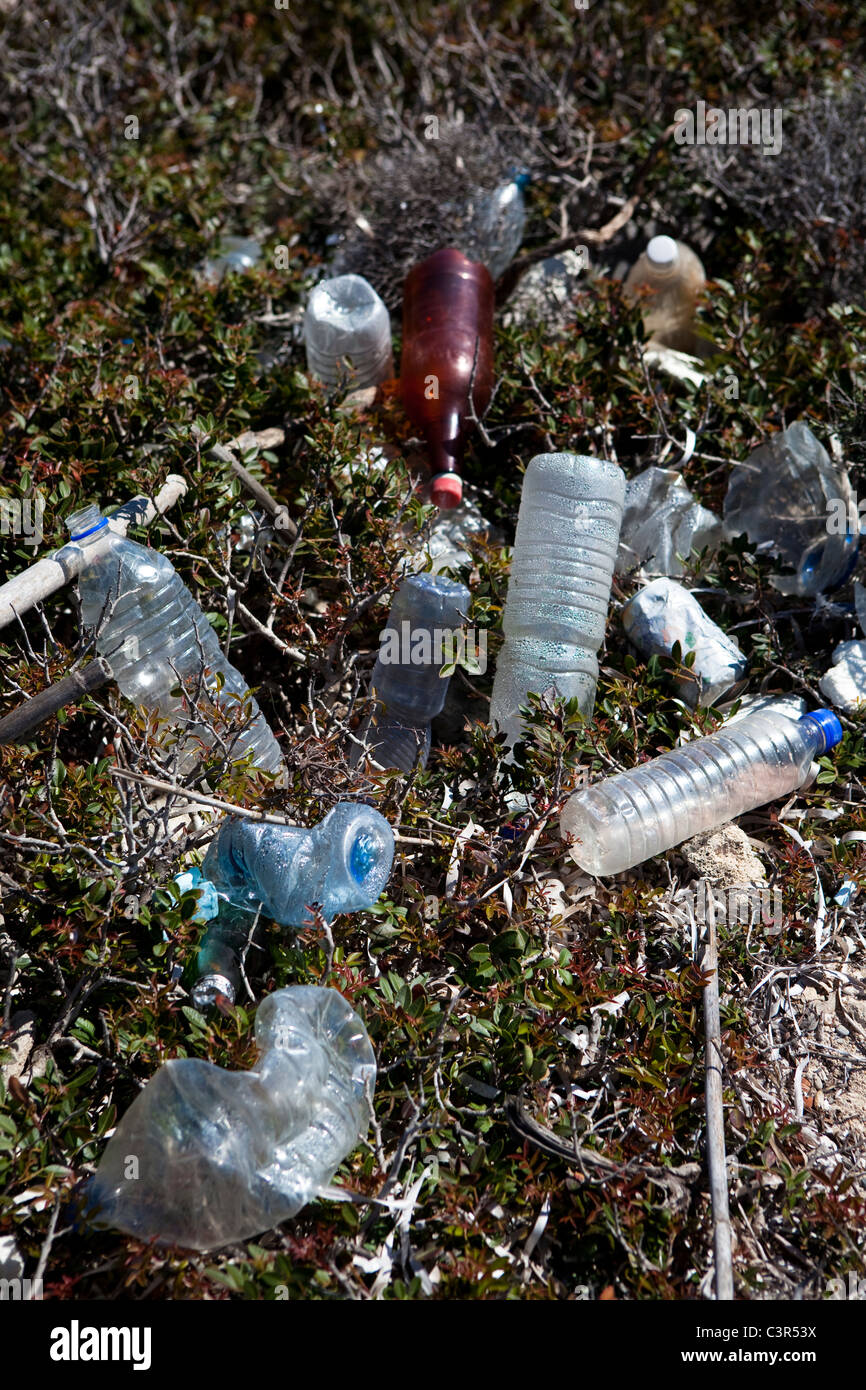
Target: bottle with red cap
x,y
447,368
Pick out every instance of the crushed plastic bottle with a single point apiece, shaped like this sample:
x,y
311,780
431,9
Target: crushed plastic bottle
x,y
233,253
447,356
342,864
204,1156
156,639
626,819
347,332
559,590
662,521
664,613
783,498
423,634
493,224
667,279
452,539
546,291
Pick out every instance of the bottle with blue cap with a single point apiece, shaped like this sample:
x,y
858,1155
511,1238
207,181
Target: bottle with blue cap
x,y
281,871
163,652
626,819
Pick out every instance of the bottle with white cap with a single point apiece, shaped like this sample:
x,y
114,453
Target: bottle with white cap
x,y
667,280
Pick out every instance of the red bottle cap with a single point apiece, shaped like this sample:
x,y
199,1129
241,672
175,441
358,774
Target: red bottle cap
x,y
446,490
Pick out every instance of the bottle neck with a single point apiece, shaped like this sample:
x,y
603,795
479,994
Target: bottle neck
x,y
86,523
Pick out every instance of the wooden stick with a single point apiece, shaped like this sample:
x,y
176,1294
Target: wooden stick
x,y
274,509
716,1156
20,722
32,585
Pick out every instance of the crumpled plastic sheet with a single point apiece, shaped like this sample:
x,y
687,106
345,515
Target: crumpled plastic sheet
x,y
661,520
792,501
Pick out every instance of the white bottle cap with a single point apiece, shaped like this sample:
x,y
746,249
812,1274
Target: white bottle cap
x,y
663,250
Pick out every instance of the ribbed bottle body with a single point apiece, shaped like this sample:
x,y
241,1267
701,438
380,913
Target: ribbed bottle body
x,y
634,815
559,589
347,333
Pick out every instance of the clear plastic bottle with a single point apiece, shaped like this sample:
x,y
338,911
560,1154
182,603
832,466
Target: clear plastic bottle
x,y
671,277
633,815
783,498
495,223
422,635
347,332
233,253
342,864
155,638
221,1156
559,590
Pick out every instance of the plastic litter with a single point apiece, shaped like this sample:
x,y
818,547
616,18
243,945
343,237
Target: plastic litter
x,y
667,279
347,332
546,290
447,356
280,871
493,225
205,1156
782,498
234,253
423,634
626,819
661,521
844,685
559,589
664,613
452,538
156,639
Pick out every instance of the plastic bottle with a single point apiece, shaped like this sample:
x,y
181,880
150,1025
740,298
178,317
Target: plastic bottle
x,y
495,223
628,818
662,521
559,590
422,635
447,348
155,638
784,498
221,1156
232,253
674,277
342,864
663,614
347,332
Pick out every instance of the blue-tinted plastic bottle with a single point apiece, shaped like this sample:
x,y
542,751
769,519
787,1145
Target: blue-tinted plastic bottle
x,y
280,871
422,636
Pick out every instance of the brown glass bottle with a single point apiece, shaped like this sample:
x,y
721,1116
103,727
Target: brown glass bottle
x,y
447,328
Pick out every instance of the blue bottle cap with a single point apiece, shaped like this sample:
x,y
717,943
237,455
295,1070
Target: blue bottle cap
x,y
829,725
